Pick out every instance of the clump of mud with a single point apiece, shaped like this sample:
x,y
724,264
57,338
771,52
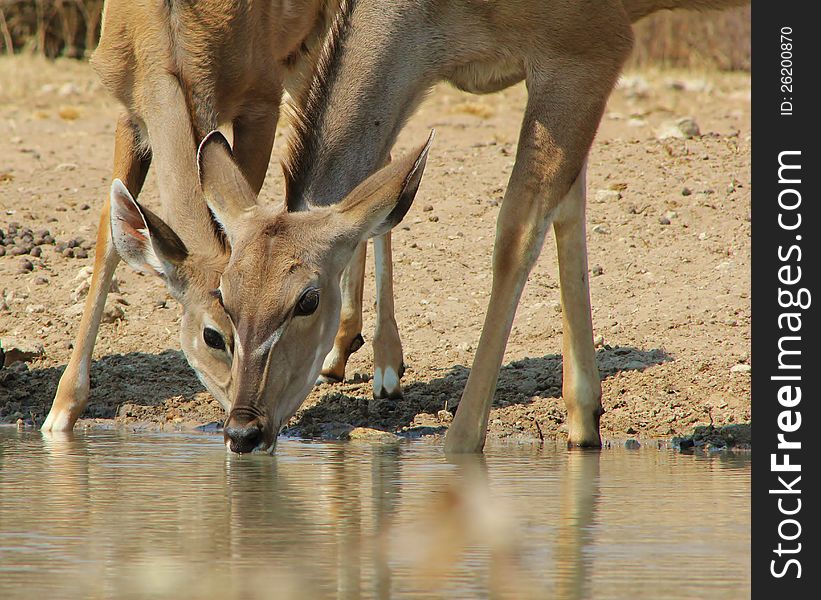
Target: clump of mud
x,y
729,437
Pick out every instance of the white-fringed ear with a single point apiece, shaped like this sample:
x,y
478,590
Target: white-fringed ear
x,y
227,192
141,238
380,202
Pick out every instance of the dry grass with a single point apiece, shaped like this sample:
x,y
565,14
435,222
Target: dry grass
x,y
50,27
70,28
677,39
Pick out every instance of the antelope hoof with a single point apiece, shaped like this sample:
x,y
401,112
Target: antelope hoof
x,y
328,378
584,433
386,383
58,420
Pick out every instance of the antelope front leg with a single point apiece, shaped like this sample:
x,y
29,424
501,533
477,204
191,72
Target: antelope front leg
x,y
349,335
131,166
557,131
388,367
581,386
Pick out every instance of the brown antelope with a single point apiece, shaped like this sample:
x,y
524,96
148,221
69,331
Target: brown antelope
x,y
181,69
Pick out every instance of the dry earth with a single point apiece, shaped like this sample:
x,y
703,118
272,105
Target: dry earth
x,y
669,242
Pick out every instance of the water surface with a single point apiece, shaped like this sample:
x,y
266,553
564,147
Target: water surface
x,y
115,515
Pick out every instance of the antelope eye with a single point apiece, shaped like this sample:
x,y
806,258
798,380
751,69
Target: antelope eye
x,y
213,338
307,303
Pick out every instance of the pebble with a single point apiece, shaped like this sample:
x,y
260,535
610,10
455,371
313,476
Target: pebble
x,y
36,251
80,253
632,444
372,435
428,208
741,369
26,266
41,280
664,220
684,128
433,219
597,270
685,191
112,313
601,228
35,309
598,341
604,196
444,416
21,350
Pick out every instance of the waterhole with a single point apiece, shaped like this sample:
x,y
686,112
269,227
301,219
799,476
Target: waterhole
x,y
107,514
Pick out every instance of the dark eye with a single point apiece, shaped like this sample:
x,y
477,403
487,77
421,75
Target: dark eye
x,y
307,303
213,338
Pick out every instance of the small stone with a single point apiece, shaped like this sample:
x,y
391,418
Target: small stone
x,y
601,228
372,435
557,306
597,270
632,444
606,196
671,214
598,341
113,312
444,416
17,251
67,89
428,208
80,253
683,129
72,243
36,251
35,309
685,191
48,239
433,219
68,252
66,167
41,280
741,369
21,350
84,207
664,220
26,266
703,236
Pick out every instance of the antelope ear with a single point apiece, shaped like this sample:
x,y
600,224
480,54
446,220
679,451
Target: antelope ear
x,y
380,202
227,192
141,238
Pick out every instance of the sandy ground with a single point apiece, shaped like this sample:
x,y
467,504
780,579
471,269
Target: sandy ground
x,y
669,247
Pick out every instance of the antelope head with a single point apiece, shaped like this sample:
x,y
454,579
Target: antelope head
x,y
280,289
148,245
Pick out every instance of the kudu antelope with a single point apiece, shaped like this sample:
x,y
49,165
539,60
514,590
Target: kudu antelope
x,y
181,69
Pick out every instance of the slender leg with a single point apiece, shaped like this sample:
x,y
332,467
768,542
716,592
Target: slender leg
x,y
131,166
581,386
253,140
349,335
387,347
558,128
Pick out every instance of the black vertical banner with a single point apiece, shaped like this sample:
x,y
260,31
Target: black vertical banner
x,y
786,271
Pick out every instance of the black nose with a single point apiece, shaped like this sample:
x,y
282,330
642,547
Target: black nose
x,y
242,437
